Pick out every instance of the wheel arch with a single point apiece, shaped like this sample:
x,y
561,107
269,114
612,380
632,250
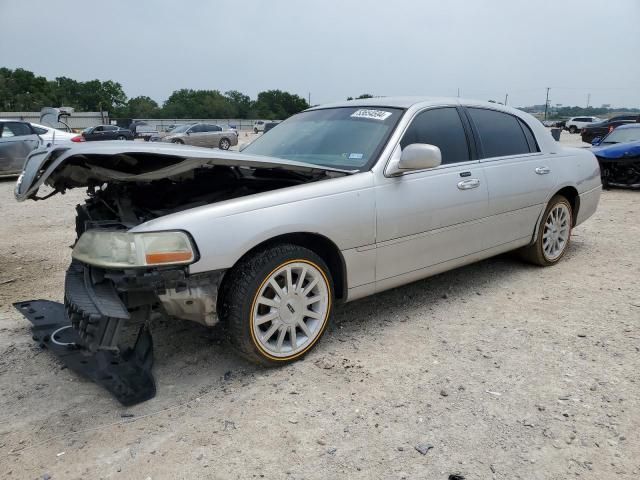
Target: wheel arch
x,y
570,193
319,244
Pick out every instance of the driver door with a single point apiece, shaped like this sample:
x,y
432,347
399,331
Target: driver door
x,y
428,217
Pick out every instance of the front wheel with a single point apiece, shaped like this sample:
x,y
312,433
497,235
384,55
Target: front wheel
x,y
573,129
554,234
277,303
121,137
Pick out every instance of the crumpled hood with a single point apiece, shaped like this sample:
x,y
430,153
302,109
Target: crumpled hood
x,y
618,150
116,161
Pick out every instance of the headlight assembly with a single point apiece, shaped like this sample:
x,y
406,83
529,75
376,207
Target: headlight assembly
x,y
112,249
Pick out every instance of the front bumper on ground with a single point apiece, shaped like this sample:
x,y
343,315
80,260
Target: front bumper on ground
x,y
98,304
125,373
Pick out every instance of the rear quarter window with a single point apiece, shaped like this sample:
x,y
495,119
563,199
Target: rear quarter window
x,y
500,133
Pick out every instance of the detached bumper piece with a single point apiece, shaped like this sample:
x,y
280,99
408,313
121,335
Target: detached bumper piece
x,y
83,334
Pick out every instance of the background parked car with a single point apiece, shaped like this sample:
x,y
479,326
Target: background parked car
x,y
203,135
269,125
103,132
618,154
258,126
50,135
17,140
141,129
600,129
575,124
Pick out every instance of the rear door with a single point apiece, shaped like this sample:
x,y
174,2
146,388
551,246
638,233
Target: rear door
x,y
212,136
111,132
519,176
431,216
17,140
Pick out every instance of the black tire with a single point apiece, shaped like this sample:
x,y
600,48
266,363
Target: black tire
x,y
255,130
573,129
224,144
177,141
242,287
535,253
121,137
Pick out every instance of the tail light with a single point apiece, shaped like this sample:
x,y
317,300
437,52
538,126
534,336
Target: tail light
x,y
78,138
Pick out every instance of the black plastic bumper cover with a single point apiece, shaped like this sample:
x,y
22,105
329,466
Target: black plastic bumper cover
x,y
126,374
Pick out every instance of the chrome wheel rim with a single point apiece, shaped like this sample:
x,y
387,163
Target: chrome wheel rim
x,y
557,229
290,309
224,144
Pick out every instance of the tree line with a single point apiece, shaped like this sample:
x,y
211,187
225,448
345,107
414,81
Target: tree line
x,y
23,91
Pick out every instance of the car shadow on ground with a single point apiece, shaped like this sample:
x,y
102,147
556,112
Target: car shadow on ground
x,y
193,359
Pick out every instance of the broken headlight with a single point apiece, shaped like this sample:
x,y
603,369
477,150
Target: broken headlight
x,y
112,249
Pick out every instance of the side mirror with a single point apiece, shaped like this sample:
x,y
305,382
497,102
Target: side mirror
x,y
596,141
418,156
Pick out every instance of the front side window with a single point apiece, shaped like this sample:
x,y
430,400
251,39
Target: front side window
x,y
500,133
344,137
443,128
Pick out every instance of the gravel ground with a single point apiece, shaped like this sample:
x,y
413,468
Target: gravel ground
x,y
496,370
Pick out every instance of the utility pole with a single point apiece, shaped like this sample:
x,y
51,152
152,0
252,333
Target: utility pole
x,y
588,99
458,92
546,103
506,97
309,98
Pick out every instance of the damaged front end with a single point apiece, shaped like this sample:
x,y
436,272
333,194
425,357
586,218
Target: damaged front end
x,y
120,280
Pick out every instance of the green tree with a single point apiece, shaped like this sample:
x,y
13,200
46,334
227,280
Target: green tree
x,y
187,103
276,104
241,102
140,107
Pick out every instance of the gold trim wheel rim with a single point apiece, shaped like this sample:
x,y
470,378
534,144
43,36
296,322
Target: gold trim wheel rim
x,y
290,309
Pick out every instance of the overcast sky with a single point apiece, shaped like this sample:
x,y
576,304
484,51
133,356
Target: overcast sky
x,y
336,48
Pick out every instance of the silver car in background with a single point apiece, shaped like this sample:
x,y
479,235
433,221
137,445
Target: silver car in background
x,y
203,135
336,203
17,140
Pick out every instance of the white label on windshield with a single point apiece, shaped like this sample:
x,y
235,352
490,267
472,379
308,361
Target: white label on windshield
x,y
371,114
356,156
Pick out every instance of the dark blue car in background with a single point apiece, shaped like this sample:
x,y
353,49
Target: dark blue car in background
x,y
619,156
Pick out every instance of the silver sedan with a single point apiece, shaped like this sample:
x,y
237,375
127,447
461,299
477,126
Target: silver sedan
x,y
338,202
203,135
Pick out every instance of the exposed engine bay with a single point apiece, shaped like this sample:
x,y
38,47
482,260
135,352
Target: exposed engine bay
x,y
127,186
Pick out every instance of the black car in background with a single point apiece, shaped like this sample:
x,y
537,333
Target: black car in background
x,y
104,132
602,128
269,125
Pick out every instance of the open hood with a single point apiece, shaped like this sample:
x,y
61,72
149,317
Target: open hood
x,y
96,163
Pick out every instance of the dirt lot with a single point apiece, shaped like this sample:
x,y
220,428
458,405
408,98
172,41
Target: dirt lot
x,y
507,371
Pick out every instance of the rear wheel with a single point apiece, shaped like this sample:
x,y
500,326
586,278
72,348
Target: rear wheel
x,y
177,141
554,234
573,129
121,137
224,144
277,304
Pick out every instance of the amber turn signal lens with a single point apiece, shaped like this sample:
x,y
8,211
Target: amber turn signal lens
x,y
155,258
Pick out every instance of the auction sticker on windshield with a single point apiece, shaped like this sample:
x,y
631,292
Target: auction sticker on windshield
x,y
371,114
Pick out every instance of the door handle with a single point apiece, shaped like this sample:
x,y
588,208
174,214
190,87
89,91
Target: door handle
x,y
543,170
469,184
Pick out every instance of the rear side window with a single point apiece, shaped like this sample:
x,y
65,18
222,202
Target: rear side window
x,y
443,128
16,130
39,131
500,133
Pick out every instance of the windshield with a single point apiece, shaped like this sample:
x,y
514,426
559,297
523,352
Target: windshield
x,y
622,135
180,129
348,137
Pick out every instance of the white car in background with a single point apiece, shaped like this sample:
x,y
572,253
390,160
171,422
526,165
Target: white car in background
x,y
50,135
575,124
